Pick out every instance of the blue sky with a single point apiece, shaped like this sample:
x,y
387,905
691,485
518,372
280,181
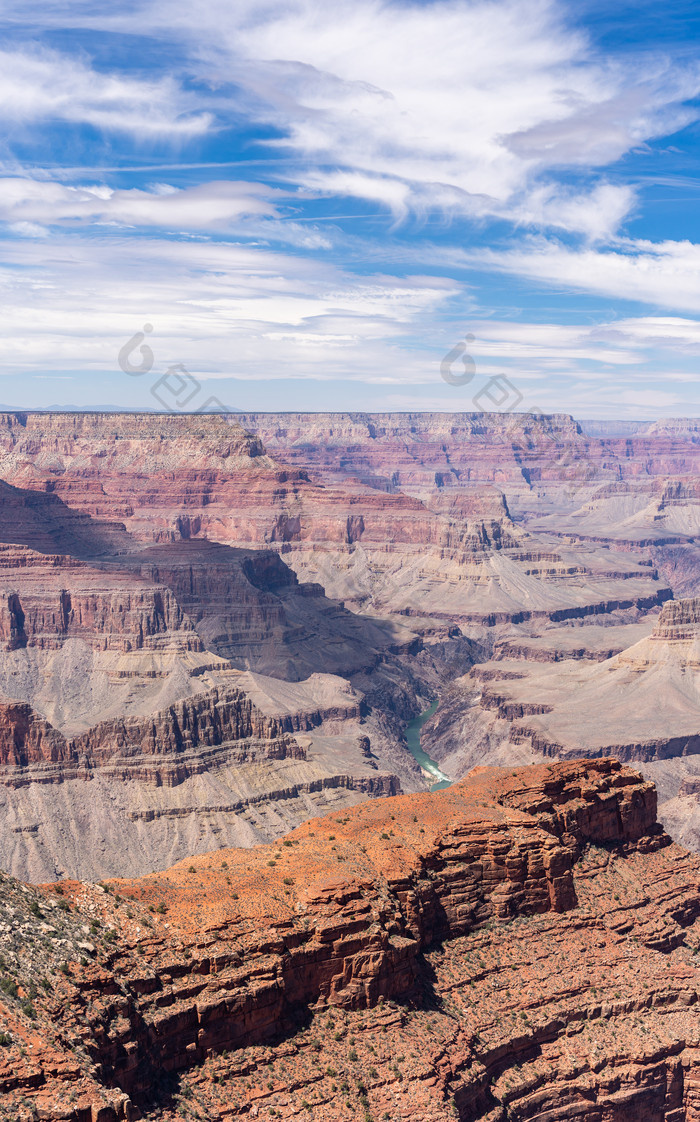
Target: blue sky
x,y
310,206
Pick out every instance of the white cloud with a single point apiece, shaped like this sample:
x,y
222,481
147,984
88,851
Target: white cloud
x,y
223,310
665,274
229,310
597,213
208,206
471,108
672,333
29,230
468,108
43,85
539,344
449,108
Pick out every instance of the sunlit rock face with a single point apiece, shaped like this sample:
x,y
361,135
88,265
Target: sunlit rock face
x,y
508,944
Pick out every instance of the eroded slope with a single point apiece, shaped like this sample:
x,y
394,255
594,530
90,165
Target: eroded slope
x,y
521,946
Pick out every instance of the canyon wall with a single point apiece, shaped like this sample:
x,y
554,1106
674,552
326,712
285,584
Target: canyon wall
x,y
499,950
148,563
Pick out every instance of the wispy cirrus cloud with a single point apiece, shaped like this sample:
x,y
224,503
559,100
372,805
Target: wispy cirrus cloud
x,y
467,109
246,312
42,85
662,274
499,126
226,310
207,206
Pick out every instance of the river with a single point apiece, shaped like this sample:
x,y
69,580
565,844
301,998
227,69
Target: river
x,y
413,731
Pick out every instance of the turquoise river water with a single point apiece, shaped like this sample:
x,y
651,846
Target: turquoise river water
x,y
413,737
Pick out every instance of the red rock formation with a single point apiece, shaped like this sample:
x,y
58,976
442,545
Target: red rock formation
x,y
415,450
429,988
205,721
26,738
48,599
177,477
411,449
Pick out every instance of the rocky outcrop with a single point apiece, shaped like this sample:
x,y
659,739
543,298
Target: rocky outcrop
x,y
641,751
26,738
346,913
689,788
108,619
508,709
205,721
679,620
41,520
47,599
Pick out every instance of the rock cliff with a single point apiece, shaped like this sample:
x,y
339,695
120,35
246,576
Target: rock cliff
x,y
122,668
437,540
521,946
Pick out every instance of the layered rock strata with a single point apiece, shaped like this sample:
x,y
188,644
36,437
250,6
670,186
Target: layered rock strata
x,y
634,491
123,671
641,703
392,551
135,792
520,946
438,541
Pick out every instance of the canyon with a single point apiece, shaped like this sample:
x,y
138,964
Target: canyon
x,y
214,628
227,890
